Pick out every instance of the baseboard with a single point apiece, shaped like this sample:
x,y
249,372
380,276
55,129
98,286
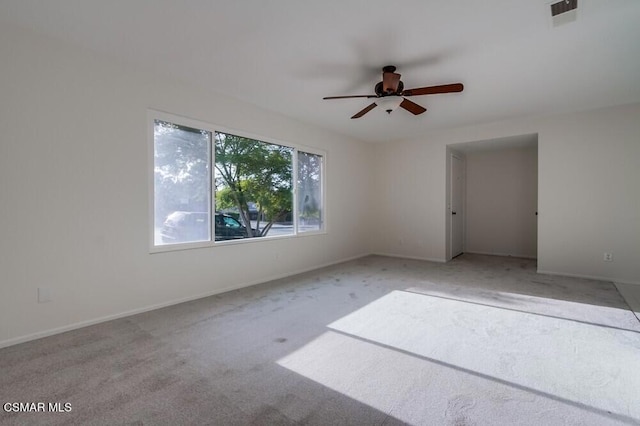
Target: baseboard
x,y
501,254
588,277
401,256
82,324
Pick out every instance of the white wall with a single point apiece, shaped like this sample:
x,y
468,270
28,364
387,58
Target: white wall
x,y
409,200
74,191
588,197
501,201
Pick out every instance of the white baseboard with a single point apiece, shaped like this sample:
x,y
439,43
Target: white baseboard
x,y
81,324
401,256
520,256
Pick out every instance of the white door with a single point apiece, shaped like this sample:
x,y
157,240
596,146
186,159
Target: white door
x,y
457,189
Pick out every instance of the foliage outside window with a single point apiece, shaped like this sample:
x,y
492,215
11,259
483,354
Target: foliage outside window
x,y
181,183
254,188
309,192
254,180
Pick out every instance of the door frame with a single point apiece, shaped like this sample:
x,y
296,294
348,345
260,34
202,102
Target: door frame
x,y
449,194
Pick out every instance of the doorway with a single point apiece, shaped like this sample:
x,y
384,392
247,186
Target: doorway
x,y
492,197
456,203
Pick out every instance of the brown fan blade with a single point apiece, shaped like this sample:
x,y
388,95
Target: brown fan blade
x,y
364,111
390,82
432,90
350,96
412,107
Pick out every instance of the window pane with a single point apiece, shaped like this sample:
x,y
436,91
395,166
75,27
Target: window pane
x,y
253,184
181,184
309,192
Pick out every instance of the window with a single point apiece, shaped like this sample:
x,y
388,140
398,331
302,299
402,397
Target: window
x,y
309,192
212,186
181,183
254,181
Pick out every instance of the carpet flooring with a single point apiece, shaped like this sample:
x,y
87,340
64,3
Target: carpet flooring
x,y
481,340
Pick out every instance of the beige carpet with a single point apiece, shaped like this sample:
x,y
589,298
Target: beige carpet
x,y
478,341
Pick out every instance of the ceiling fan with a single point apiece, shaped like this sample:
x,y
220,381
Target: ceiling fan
x,y
390,93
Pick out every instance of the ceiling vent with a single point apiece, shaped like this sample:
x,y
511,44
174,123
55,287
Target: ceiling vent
x,y
563,12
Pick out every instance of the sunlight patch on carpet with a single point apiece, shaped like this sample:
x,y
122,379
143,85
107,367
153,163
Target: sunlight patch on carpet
x,y
420,342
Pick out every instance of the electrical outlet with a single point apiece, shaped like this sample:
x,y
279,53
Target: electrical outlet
x,y
608,257
44,295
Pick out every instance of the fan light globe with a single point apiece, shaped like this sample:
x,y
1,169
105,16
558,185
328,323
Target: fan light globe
x,y
389,103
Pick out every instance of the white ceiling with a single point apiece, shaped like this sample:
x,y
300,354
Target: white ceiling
x,y
285,55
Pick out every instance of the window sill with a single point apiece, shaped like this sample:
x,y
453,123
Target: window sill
x,y
209,244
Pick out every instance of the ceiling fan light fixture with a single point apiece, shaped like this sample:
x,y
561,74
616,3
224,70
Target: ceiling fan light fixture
x,y
389,103
390,94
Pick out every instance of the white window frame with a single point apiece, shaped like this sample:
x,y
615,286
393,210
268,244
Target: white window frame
x,y
153,115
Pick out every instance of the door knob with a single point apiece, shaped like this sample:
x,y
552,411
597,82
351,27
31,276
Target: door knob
x,y
453,212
